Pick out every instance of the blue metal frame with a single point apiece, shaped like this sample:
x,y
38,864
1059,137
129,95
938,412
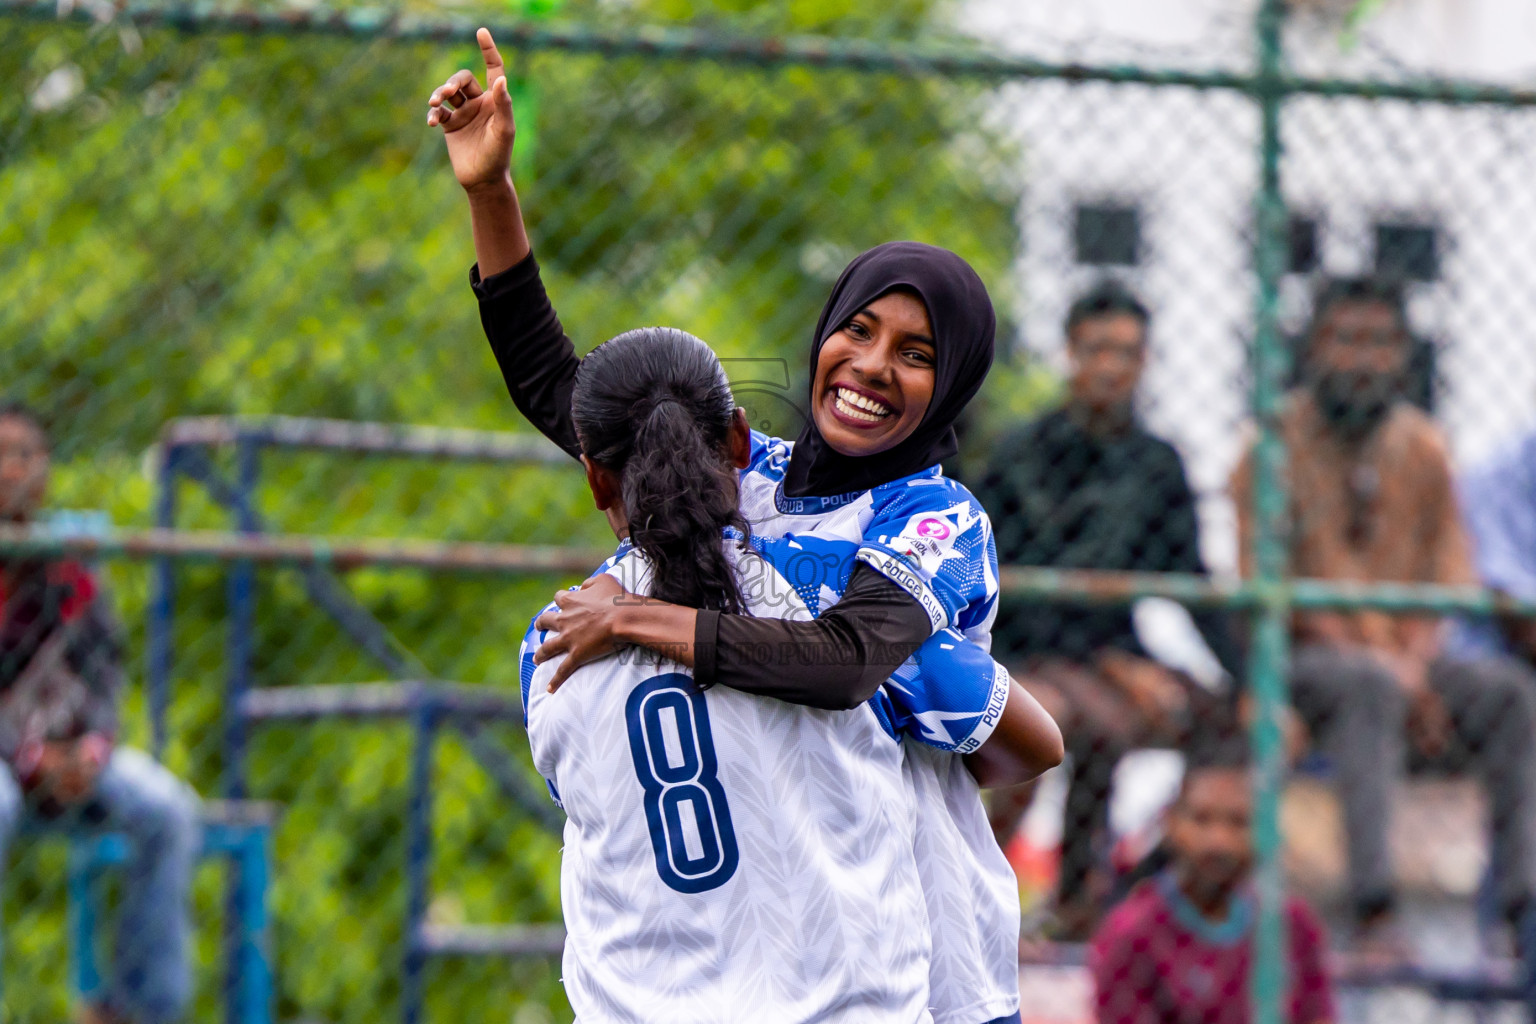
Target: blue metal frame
x,y
242,623
247,847
241,602
162,603
428,708
418,859
320,583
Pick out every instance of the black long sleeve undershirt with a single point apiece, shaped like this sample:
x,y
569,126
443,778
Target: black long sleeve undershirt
x,y
537,359
835,661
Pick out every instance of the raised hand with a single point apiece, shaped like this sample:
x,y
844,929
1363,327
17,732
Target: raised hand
x,y
477,123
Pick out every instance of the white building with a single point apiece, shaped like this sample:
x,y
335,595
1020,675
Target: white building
x,y
1172,173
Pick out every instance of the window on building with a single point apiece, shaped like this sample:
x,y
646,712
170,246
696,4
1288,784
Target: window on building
x,y
1408,250
1301,237
1108,235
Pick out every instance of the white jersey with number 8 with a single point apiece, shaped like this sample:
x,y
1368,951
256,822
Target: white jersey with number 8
x,y
727,856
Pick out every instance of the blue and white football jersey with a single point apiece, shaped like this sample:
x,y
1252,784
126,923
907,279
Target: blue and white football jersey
x,y
728,856
930,536
927,533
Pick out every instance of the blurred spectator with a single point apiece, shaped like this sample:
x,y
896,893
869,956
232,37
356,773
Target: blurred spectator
x,y
1498,502
1371,499
60,670
1179,948
1087,487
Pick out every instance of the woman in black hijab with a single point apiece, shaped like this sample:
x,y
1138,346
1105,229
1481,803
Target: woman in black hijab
x,y
903,343
960,316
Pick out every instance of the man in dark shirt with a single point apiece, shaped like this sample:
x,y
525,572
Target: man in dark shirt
x,y
1087,487
60,671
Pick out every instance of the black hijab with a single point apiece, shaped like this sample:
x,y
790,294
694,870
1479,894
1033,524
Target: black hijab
x,y
963,326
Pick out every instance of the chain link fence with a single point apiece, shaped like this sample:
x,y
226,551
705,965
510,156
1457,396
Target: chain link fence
x,y
229,243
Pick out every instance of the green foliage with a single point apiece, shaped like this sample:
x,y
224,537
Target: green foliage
x,y
1354,19
219,224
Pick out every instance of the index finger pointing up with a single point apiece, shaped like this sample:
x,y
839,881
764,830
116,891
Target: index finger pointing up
x,y
494,69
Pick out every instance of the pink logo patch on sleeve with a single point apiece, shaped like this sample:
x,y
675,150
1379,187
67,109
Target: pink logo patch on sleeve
x,y
934,529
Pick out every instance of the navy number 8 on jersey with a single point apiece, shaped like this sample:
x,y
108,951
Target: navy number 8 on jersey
x,y
685,806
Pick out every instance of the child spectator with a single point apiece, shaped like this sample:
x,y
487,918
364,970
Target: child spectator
x,y
1180,948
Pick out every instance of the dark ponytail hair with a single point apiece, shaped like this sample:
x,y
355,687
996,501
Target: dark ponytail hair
x,y
654,406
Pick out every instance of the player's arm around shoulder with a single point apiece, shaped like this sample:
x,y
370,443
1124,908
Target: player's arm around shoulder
x,y
953,696
1026,744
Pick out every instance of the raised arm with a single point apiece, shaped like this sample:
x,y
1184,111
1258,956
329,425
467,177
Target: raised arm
x,y
478,130
537,360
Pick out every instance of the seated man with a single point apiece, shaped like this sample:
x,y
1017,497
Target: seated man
x,y
1180,947
60,669
1371,500
1087,487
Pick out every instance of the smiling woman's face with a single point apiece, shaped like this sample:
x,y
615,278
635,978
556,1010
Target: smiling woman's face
x,y
874,377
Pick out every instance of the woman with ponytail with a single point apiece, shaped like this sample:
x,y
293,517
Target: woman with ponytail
x,y
708,872
678,492
902,345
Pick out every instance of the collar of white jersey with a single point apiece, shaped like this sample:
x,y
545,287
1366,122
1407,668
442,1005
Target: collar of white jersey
x,y
812,505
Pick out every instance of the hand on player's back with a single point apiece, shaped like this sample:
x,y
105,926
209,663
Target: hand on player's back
x,y
477,123
582,627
